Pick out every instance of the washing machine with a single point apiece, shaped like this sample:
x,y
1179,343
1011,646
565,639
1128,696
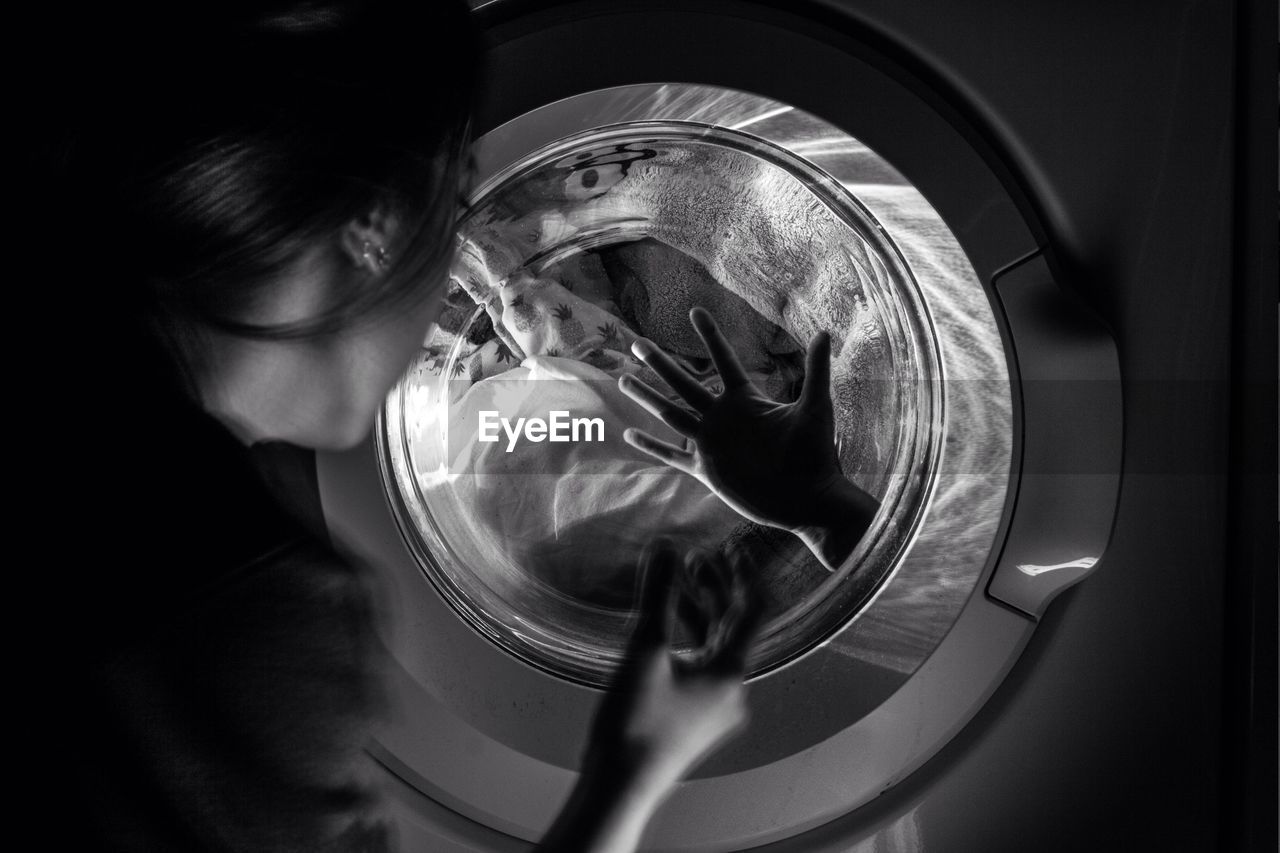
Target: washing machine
x,y
1016,224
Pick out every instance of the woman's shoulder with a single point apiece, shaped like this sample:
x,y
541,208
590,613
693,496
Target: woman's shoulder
x,y
166,507
254,702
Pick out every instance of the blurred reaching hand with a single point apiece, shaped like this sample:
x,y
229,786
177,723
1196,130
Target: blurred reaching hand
x,y
665,712
670,711
774,463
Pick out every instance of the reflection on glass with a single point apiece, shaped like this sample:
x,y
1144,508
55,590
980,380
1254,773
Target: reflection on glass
x,y
566,257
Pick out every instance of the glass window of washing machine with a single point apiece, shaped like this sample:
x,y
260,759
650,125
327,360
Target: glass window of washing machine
x,y
502,448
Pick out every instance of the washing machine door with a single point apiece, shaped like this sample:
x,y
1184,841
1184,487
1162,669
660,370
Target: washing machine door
x,y
633,162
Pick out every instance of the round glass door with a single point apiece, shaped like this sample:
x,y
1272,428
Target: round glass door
x,y
569,253
511,557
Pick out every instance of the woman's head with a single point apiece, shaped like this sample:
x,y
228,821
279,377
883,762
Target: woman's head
x,y
276,186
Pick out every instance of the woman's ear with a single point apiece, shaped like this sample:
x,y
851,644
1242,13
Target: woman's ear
x,y
366,240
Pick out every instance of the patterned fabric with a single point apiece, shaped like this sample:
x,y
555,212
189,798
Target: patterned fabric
x,y
592,307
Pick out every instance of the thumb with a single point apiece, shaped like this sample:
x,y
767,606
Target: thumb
x,y
816,394
658,565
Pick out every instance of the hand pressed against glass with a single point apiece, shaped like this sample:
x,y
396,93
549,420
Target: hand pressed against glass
x,y
774,463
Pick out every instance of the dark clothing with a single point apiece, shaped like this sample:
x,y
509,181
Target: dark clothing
x,y
239,723
222,672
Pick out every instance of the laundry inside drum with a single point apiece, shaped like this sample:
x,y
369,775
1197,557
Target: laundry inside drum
x,y
566,257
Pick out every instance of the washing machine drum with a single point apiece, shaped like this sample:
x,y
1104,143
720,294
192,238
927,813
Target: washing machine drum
x,y
575,249
606,216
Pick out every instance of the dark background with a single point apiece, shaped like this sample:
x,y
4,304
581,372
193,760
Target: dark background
x,y
1142,717
1139,135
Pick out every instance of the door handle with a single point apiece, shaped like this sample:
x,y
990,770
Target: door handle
x,y
1068,466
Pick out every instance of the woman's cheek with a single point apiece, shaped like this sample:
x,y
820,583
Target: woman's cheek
x,y
412,334
367,365
347,387
394,350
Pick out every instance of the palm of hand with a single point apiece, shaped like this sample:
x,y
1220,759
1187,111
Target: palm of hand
x,y
771,462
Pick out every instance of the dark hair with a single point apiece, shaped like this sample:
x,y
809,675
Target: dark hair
x,y
210,143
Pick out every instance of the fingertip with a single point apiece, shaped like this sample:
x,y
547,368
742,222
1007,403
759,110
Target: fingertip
x,y
735,553
818,367
695,563
657,571
658,545
639,440
642,348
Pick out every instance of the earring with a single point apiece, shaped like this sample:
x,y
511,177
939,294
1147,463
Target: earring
x,y
374,255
